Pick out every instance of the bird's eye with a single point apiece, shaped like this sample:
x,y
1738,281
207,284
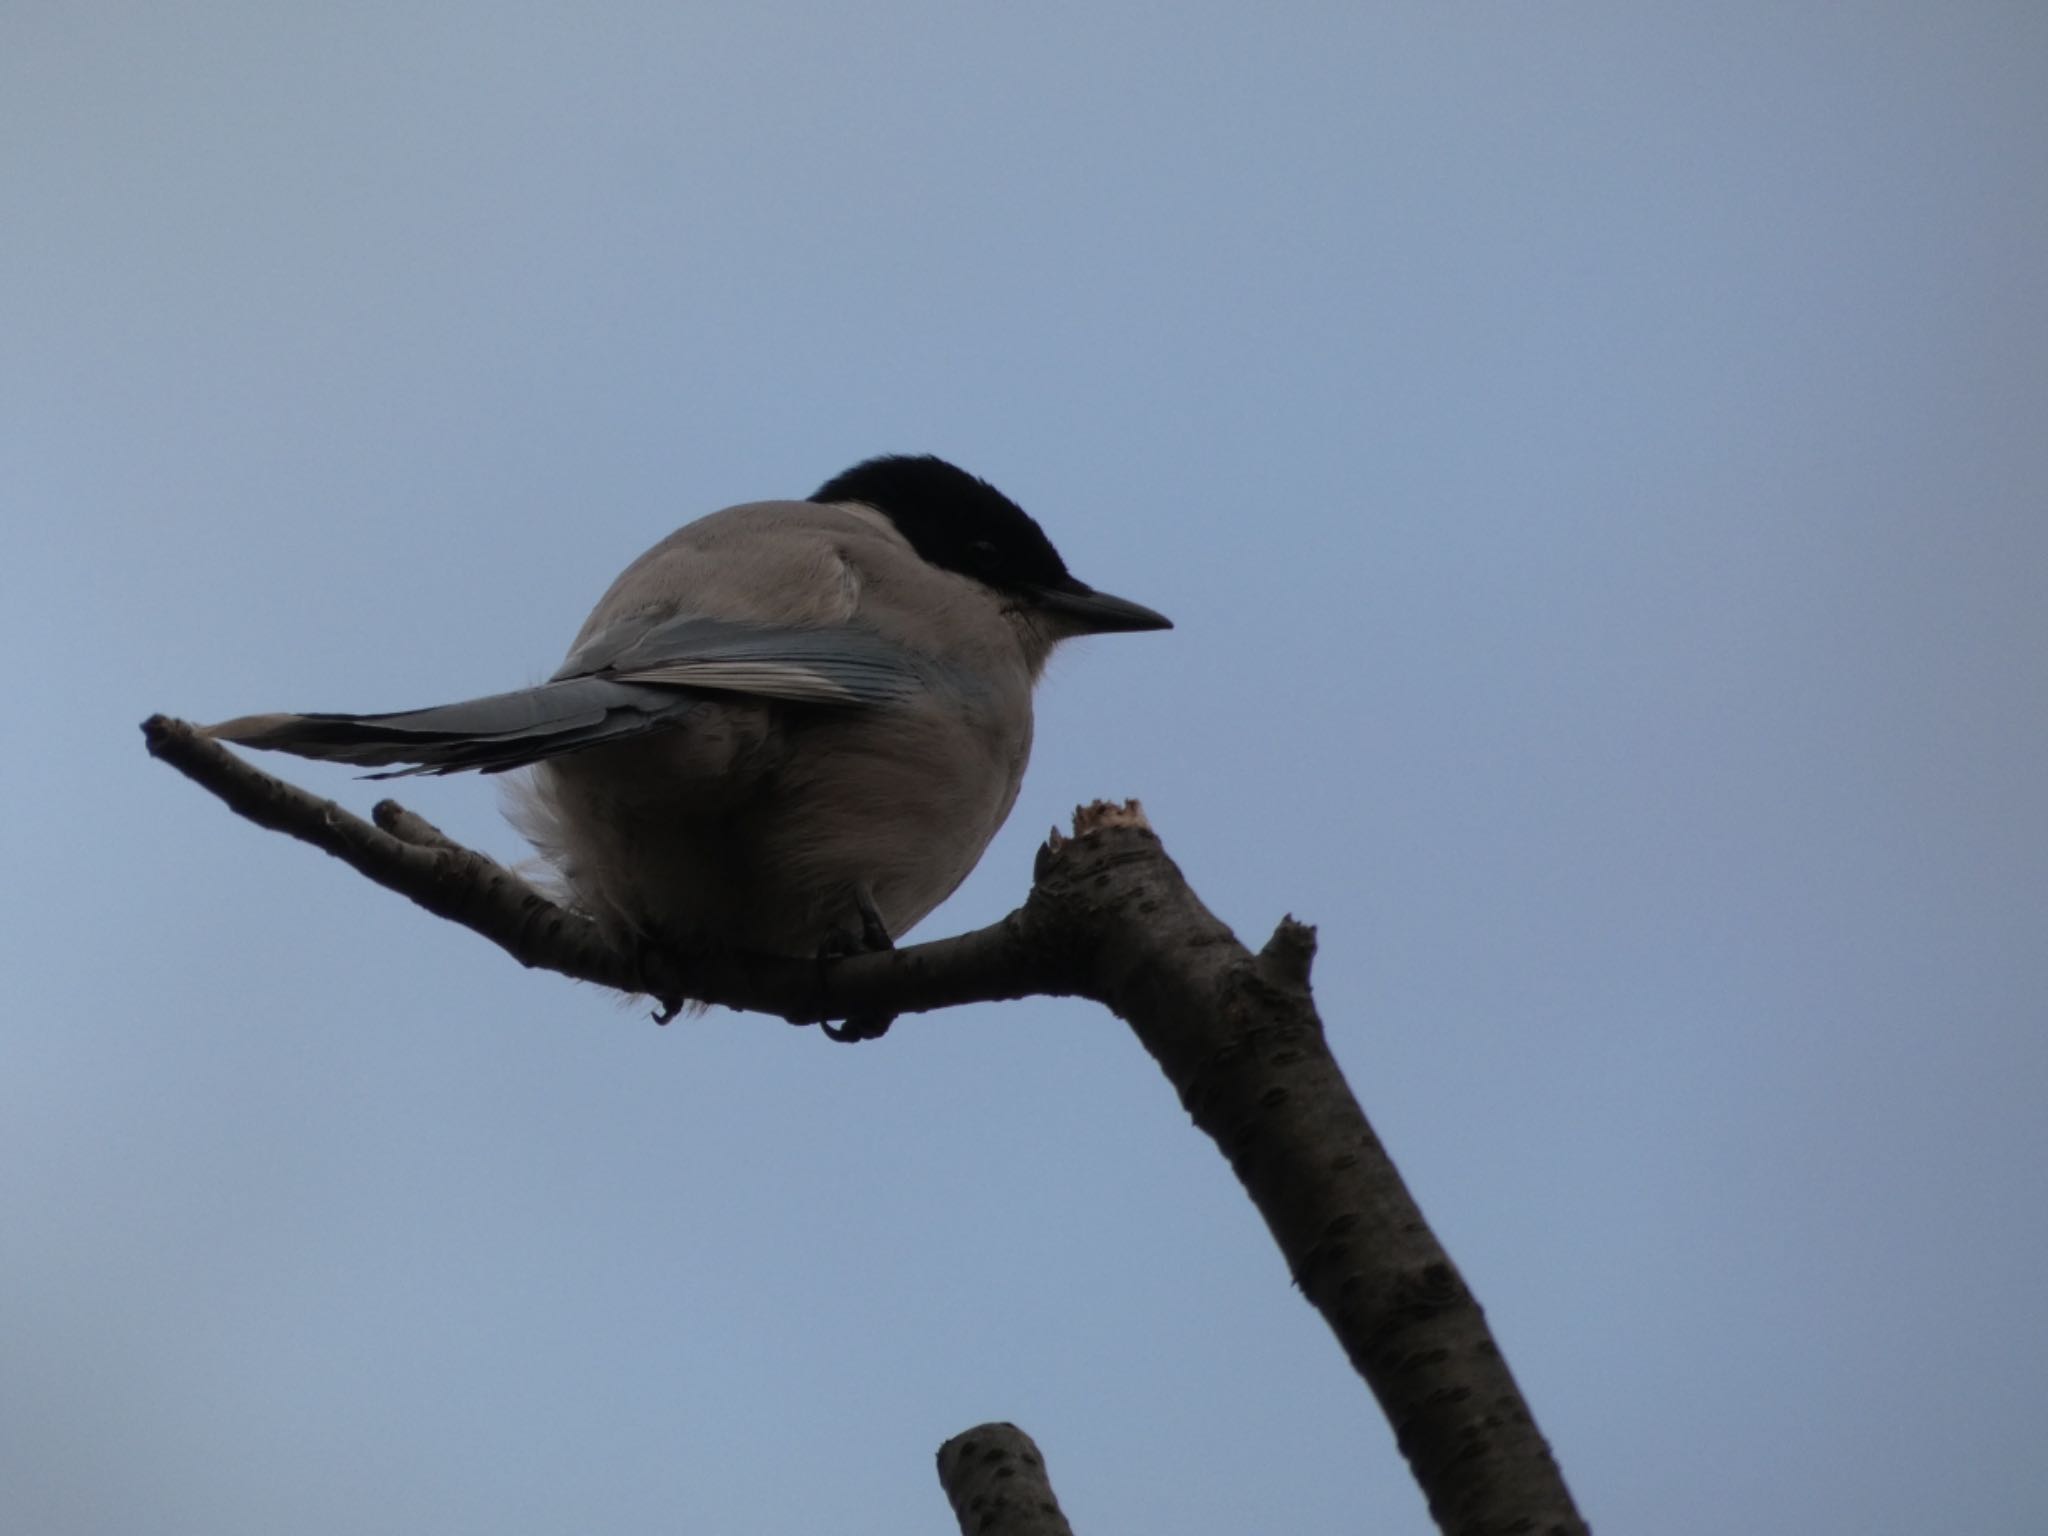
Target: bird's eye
x,y
983,555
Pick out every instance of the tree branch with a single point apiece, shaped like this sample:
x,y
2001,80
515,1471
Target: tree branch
x,y
996,1482
404,853
1109,917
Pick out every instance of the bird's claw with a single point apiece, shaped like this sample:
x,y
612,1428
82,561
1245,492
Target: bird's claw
x,y
858,1028
874,937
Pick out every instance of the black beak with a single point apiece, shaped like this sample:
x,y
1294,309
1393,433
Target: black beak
x,y
1089,612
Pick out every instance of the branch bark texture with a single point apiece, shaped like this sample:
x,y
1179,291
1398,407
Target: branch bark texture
x,y
997,1484
1108,917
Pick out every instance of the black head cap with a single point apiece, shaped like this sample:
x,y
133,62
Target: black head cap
x,y
953,520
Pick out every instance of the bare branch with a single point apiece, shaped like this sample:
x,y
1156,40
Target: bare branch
x,y
996,1482
405,853
1109,917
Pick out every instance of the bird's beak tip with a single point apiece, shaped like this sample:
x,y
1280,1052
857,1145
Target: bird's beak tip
x,y
1102,613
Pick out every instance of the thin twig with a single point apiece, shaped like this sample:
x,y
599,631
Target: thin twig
x,y
405,853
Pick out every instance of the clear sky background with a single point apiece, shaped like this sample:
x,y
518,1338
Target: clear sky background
x,y
1598,459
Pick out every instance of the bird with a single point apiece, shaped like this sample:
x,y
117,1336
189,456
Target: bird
x,y
790,728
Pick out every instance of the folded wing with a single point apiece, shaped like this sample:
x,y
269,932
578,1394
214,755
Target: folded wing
x,y
639,675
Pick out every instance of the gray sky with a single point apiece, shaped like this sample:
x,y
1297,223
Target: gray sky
x,y
1598,460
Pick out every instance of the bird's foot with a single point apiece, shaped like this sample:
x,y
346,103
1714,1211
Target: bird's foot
x,y
874,937
647,953
867,1026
